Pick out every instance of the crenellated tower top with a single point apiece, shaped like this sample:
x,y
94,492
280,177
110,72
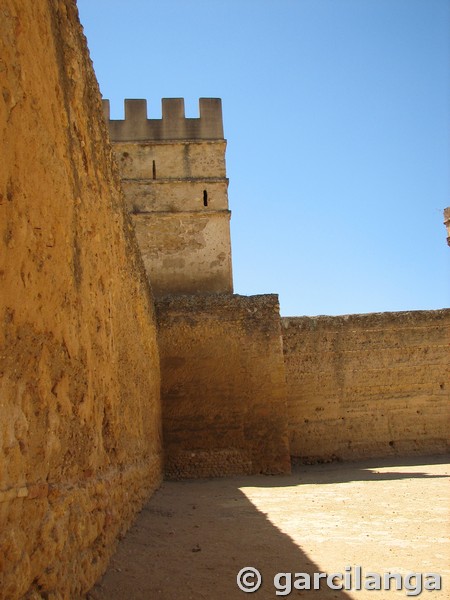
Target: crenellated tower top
x,y
172,126
174,180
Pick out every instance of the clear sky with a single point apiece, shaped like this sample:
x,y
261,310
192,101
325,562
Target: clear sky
x,y
337,116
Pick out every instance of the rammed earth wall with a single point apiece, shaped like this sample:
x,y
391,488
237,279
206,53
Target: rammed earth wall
x,y
368,385
223,385
80,413
79,368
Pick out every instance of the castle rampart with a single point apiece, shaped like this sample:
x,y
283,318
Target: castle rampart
x,y
80,418
223,387
368,385
80,411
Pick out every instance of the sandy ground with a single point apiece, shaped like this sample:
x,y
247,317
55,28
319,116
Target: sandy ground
x,y
193,537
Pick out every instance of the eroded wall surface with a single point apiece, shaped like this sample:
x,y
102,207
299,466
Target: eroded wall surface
x,y
223,385
79,368
368,385
185,253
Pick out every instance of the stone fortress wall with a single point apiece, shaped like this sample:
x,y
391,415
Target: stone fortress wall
x,y
80,417
82,346
357,386
223,382
223,386
368,385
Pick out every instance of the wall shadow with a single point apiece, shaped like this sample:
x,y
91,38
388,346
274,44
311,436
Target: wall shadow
x,y
193,537
367,470
191,540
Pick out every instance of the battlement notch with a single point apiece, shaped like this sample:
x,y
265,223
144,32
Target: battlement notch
x,y
172,126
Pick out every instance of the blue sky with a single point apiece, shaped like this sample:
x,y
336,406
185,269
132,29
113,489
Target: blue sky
x,y
337,116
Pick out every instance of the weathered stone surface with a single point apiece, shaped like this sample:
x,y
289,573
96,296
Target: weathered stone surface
x,y
80,416
368,385
79,368
185,251
222,385
177,193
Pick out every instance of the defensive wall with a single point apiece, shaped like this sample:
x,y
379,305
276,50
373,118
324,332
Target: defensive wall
x,y
80,431
223,387
354,387
368,385
81,422
223,383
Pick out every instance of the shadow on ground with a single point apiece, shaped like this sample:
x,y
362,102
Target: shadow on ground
x,y
190,542
374,469
193,537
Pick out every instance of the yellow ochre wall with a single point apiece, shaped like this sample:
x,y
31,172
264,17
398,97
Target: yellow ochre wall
x,y
223,385
79,366
368,385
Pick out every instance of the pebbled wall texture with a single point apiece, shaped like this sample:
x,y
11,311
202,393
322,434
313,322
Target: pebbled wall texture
x,y
80,436
368,385
223,385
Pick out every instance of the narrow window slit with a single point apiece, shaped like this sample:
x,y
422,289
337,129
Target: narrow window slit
x,y
205,198
154,170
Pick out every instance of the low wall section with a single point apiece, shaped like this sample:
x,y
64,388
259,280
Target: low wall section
x,y
223,385
368,385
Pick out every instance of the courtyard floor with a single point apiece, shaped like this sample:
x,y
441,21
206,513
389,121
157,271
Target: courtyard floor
x,y
193,537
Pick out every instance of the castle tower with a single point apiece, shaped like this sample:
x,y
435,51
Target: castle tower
x,y
173,176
